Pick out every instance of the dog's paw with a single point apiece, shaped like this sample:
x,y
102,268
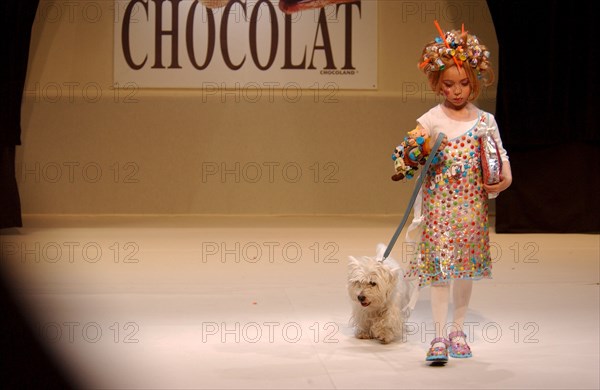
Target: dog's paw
x,y
386,337
363,335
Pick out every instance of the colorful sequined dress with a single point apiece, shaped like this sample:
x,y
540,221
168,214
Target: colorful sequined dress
x,y
451,218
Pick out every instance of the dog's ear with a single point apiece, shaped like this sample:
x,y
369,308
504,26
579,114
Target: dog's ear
x,y
352,263
353,268
380,251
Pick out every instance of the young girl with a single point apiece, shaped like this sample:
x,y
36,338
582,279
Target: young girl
x,y
450,221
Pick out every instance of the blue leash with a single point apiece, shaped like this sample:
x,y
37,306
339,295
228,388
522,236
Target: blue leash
x,y
413,198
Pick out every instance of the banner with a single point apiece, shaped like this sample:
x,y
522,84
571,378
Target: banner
x,y
264,44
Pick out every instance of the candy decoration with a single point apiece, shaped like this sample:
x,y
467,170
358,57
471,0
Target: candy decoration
x,y
447,41
459,45
455,236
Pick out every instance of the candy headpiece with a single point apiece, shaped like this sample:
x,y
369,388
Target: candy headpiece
x,y
460,47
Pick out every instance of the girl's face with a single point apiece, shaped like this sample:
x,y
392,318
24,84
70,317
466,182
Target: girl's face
x,y
456,87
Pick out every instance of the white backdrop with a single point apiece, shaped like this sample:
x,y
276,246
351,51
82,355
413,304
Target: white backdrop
x,y
245,45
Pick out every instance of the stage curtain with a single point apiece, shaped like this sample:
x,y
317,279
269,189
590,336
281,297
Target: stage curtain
x,y
17,20
548,88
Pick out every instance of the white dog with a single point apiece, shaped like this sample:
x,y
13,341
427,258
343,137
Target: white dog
x,y
380,297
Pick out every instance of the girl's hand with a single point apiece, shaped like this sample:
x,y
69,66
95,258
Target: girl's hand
x,y
444,143
505,180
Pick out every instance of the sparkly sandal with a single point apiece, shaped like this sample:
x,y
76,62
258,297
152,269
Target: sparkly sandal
x,y
438,354
458,350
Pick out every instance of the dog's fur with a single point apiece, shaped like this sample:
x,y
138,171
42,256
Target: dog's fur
x,y
379,297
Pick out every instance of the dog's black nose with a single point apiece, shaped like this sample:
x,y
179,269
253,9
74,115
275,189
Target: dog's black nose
x,y
361,298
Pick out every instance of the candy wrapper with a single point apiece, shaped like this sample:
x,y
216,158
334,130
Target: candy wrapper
x,y
490,158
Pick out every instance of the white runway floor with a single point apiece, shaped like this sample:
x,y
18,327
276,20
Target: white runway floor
x,y
255,303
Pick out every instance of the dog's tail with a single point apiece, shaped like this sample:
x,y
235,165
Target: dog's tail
x,y
410,296
409,288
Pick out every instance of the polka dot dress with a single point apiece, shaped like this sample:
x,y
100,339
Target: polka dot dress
x,y
455,237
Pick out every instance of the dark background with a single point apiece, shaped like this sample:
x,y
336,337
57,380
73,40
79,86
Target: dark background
x,y
548,88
